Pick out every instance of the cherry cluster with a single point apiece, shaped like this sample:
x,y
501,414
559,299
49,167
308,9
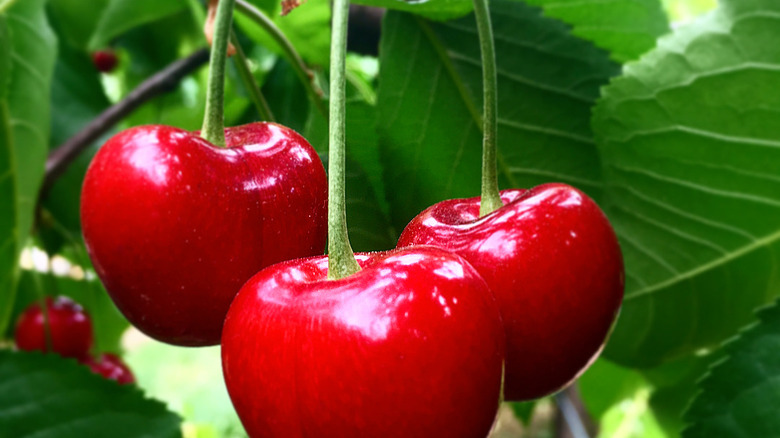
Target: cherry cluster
x,y
218,238
66,329
417,342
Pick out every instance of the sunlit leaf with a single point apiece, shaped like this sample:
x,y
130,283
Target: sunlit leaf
x,y
26,64
689,142
429,106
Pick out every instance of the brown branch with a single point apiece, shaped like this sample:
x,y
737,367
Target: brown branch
x,y
161,82
572,419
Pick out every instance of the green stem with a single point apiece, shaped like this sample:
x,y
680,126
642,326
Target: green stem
x,y
214,120
491,199
303,73
341,259
242,65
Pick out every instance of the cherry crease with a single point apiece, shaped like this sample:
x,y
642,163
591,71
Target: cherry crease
x,y
553,262
410,346
175,225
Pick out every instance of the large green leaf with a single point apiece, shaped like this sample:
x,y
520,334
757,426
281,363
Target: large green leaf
x,y
430,94
740,397
627,28
122,15
689,140
51,397
24,133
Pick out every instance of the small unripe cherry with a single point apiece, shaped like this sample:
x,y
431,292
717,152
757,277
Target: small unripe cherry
x,y
111,367
70,329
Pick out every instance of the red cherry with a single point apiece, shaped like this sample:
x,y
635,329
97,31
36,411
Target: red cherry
x,y
105,60
175,225
69,326
410,346
553,262
111,367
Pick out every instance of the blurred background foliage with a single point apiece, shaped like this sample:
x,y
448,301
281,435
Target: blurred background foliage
x,y
148,35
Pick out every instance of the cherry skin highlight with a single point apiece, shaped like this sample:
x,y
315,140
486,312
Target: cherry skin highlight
x,y
175,225
552,260
69,325
410,346
111,367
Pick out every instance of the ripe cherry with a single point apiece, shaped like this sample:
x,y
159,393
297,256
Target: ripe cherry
x,y
175,225
410,346
552,260
69,328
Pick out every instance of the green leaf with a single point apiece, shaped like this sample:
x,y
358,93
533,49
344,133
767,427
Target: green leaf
x,y
605,384
78,97
24,130
52,397
287,97
10,244
122,15
626,28
674,385
523,410
433,9
307,27
689,141
740,397
429,102
76,20
154,46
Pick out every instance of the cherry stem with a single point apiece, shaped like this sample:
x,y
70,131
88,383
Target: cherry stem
x,y
491,198
303,73
341,259
214,120
242,65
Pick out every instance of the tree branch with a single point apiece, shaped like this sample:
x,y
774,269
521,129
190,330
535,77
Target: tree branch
x,y
161,82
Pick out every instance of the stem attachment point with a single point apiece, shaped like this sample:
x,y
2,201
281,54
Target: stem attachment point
x,y
491,198
214,120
